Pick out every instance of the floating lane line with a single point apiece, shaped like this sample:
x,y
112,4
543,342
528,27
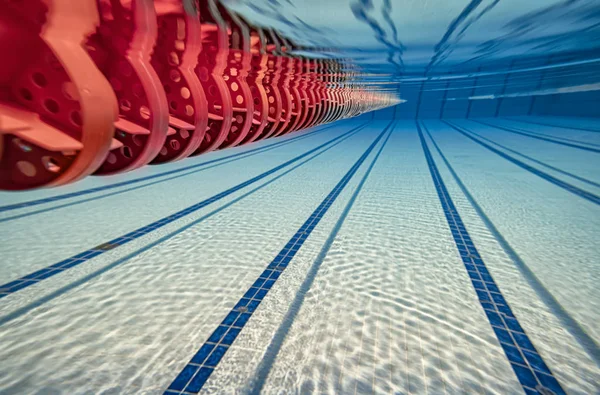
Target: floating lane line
x,y
228,158
52,270
562,184
87,277
538,137
195,374
192,170
531,370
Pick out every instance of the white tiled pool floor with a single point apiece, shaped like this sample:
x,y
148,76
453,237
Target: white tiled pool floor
x,y
376,300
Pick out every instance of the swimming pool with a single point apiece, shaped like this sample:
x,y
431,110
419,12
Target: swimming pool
x,y
377,257
444,245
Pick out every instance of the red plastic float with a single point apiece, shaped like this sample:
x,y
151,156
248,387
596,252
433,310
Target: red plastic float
x,y
121,48
107,86
56,110
175,59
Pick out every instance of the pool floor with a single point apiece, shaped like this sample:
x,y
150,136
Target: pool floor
x,y
366,256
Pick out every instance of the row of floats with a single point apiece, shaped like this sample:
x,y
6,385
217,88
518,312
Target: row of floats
x,y
107,86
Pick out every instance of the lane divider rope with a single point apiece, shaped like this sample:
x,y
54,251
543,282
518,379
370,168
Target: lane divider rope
x,y
69,195
52,270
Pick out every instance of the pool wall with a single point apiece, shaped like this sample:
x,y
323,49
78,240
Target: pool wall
x,y
559,85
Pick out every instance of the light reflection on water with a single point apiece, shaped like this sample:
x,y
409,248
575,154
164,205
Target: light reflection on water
x,y
407,41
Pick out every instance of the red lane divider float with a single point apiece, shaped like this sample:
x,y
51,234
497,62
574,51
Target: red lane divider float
x,y
107,86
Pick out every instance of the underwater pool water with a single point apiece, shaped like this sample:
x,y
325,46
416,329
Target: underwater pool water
x,y
445,245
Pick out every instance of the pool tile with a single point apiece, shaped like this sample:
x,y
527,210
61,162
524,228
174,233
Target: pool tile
x,y
218,334
503,336
199,380
513,354
536,362
231,317
202,354
551,383
242,319
524,375
215,356
231,335
183,378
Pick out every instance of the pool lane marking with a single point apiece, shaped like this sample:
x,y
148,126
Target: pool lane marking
x,y
82,280
229,159
528,365
518,129
570,323
556,169
562,184
195,374
47,272
554,125
583,139
538,137
268,359
69,195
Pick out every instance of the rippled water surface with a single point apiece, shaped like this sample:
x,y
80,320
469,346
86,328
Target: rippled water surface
x,y
401,41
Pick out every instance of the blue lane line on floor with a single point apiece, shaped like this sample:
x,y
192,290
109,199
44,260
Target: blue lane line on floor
x,y
195,374
36,303
78,259
266,364
514,127
538,137
55,198
513,124
554,125
192,170
556,169
531,370
570,323
564,185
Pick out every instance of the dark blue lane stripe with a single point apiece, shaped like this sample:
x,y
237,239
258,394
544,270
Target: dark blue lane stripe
x,y
531,370
78,259
124,259
515,125
570,323
193,170
55,198
195,374
554,125
556,169
266,364
564,185
539,137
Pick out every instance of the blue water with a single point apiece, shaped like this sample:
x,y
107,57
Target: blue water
x,y
446,245
456,59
